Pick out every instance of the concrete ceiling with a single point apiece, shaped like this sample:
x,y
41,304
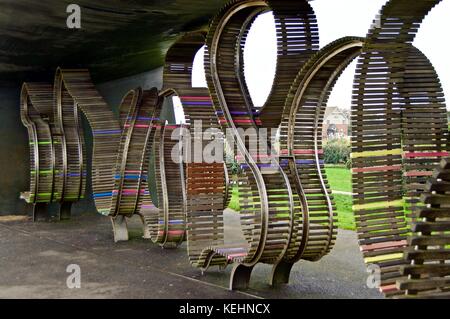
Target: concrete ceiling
x,y
118,37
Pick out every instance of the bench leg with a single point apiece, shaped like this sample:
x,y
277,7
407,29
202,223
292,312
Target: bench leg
x,y
145,227
65,211
41,212
280,273
240,277
120,228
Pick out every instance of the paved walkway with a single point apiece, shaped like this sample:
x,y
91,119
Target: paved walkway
x,y
34,257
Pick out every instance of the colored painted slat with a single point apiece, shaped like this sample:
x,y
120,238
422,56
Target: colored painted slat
x,y
377,153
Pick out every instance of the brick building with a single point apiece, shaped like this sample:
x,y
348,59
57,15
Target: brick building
x,y
336,123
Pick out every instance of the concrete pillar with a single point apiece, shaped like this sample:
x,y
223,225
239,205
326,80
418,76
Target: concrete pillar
x,y
14,154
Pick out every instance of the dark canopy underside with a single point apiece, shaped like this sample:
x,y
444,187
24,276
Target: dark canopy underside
x,y
117,39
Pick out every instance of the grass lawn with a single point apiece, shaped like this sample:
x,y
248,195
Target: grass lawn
x,y
234,202
344,211
339,178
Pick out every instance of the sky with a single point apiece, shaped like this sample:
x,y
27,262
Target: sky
x,y
336,19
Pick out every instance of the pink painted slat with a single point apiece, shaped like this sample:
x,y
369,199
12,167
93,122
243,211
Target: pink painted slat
x,y
307,152
385,245
418,173
378,169
195,98
388,288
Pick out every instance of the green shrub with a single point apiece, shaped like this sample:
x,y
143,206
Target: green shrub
x,y
235,168
337,151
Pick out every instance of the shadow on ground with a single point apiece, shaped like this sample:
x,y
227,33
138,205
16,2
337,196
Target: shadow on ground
x,y
34,258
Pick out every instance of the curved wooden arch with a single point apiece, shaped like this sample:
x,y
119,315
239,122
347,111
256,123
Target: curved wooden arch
x,y
301,147
205,191
105,128
58,157
35,112
400,135
117,193
268,225
139,118
419,92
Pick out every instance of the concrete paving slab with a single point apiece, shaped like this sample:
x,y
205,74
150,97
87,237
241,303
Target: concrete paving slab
x,y
34,258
